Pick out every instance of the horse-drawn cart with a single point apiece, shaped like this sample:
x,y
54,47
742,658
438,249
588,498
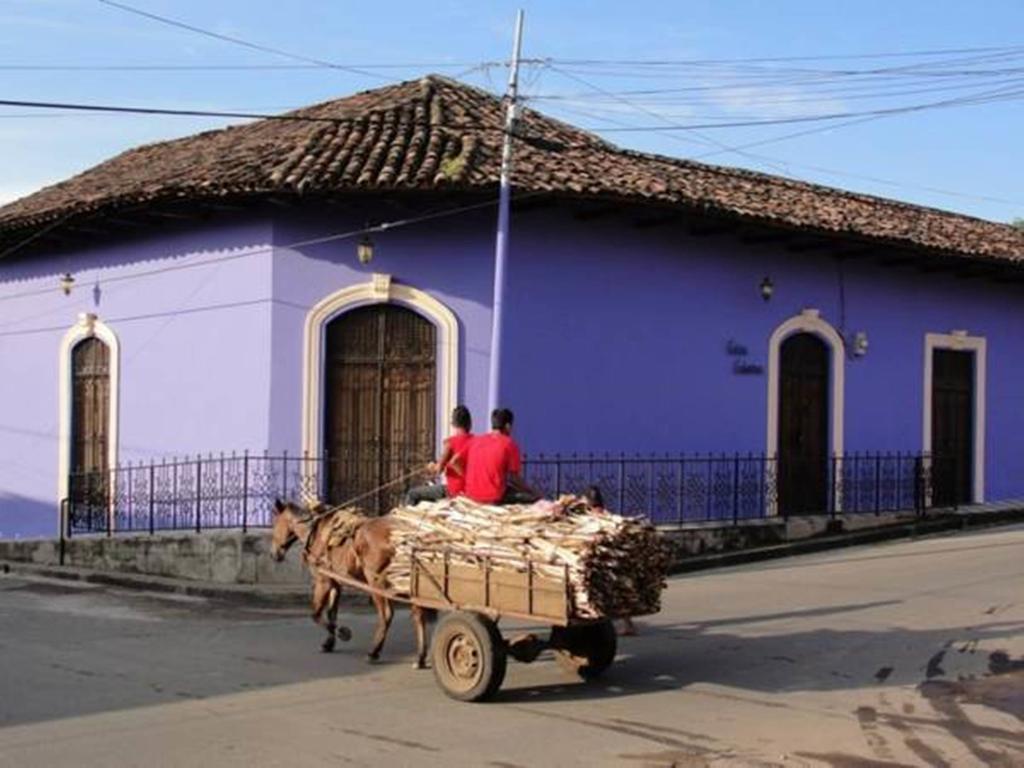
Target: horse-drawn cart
x,y
468,652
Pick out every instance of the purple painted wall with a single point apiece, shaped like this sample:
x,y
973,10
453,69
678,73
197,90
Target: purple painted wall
x,y
618,342
616,338
195,366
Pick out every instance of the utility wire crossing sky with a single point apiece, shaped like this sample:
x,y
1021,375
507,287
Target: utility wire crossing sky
x,y
931,109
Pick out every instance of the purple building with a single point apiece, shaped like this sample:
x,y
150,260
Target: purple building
x,y
215,303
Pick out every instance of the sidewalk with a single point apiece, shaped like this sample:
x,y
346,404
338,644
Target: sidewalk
x,y
946,522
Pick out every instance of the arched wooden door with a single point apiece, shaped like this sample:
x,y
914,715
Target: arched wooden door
x,y
803,425
90,420
90,407
380,398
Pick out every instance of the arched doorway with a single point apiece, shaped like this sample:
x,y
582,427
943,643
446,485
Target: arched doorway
x,y
803,419
380,400
90,435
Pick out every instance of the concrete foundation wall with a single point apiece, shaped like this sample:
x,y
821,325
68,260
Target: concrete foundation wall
x,y
222,557
231,557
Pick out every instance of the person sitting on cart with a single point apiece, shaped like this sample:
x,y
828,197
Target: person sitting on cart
x,y
494,465
452,462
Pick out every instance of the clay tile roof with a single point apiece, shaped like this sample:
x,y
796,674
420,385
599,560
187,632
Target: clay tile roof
x,y
435,133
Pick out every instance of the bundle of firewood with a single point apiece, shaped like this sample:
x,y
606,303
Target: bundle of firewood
x,y
614,566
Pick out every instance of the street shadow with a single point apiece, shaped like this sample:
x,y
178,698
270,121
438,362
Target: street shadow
x,y
675,656
71,649
951,675
78,650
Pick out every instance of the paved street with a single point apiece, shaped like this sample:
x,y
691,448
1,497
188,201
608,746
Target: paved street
x,y
899,654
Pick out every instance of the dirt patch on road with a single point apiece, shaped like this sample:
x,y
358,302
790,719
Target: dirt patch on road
x,y
841,760
672,758
1002,688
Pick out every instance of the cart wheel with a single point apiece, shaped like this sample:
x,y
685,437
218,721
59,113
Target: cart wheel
x,y
468,656
585,649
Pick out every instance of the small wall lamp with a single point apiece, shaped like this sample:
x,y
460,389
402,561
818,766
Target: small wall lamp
x,y
767,288
364,250
860,344
67,282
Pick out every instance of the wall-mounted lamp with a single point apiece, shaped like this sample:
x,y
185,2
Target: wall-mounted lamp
x,y
364,250
67,282
767,288
860,344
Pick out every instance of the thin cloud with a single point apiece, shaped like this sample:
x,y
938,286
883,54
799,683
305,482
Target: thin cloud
x,y
772,101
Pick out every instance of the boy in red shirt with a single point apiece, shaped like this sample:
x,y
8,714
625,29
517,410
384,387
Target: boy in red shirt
x,y
493,465
452,462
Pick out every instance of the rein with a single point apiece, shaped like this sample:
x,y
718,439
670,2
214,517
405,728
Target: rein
x,y
360,497
314,519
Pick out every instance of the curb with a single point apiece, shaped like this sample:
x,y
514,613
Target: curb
x,y
926,527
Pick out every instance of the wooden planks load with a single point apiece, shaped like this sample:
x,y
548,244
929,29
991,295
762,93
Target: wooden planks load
x,y
614,566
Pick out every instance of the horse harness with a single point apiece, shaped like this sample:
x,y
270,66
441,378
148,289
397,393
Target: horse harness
x,y
345,523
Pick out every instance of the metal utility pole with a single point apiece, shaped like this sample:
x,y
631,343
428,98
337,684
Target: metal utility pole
x,y
501,240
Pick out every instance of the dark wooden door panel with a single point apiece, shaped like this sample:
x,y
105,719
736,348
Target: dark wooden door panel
x,y
952,427
88,485
90,407
803,425
380,400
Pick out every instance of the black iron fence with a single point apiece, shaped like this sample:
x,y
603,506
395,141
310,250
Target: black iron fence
x,y
238,491
740,487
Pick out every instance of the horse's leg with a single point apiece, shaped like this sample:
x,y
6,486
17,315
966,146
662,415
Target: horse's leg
x,y
322,589
342,633
419,621
384,615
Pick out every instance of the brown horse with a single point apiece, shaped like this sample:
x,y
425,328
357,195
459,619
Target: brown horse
x,y
363,555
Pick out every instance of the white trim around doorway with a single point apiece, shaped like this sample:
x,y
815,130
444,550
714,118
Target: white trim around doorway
x,y
960,341
808,321
88,326
380,290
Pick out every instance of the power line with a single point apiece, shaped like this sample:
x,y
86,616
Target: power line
x,y
639,108
129,111
314,64
818,57
774,162
813,89
233,67
1001,95
851,175
778,162
112,108
238,41
374,229
928,69
595,110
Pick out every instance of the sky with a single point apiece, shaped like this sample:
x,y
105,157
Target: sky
x,y
642,74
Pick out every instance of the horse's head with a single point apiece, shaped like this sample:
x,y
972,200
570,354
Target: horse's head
x,y
284,531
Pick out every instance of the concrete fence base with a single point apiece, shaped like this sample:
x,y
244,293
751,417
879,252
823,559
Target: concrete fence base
x,y
231,557
224,557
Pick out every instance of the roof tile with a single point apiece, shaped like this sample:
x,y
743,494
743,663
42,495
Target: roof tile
x,y
435,133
